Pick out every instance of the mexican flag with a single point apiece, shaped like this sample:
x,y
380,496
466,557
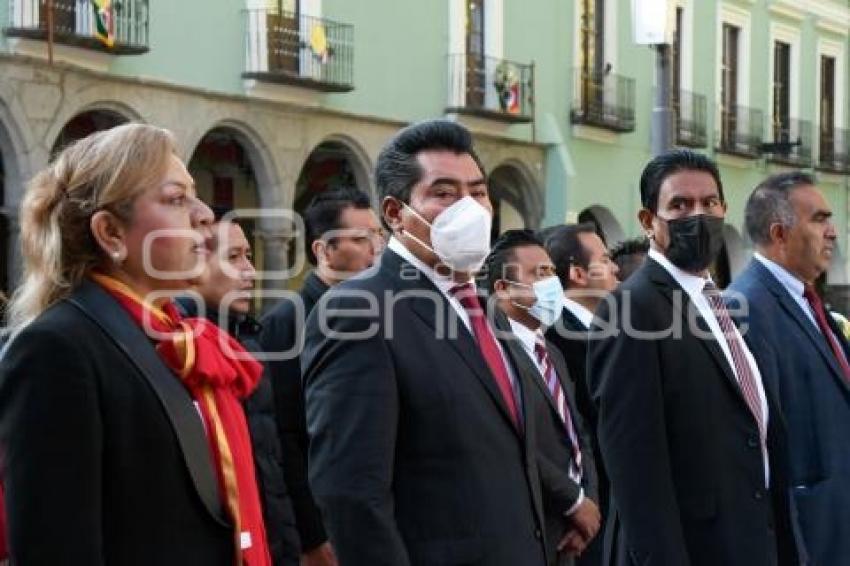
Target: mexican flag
x,y
104,26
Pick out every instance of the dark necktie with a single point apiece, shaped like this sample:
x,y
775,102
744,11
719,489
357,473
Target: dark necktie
x,y
487,345
746,379
820,316
550,377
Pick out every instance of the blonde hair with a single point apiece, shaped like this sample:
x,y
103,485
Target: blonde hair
x,y
108,169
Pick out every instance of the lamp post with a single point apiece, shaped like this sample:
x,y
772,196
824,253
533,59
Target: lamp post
x,y
652,22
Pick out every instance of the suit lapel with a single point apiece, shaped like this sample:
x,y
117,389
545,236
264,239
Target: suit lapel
x,y
667,285
432,307
803,321
96,304
571,321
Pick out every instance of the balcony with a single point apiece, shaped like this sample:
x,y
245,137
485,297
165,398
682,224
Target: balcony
x,y
491,88
690,116
834,156
741,131
290,49
603,100
791,143
76,23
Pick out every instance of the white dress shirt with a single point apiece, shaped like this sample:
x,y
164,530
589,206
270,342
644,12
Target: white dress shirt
x,y
794,286
579,311
693,286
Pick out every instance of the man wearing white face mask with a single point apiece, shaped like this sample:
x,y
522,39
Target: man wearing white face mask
x,y
421,446
521,278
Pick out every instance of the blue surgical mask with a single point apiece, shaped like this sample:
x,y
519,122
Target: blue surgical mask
x,y
549,300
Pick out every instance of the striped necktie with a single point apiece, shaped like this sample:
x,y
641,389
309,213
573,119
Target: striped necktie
x,y
746,379
550,377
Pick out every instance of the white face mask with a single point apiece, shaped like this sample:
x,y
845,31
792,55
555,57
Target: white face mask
x,y
460,235
549,301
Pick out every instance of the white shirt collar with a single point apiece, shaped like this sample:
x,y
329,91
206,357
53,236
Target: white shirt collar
x,y
788,280
692,284
527,336
579,311
444,284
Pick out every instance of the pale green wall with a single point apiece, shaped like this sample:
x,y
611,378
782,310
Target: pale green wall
x,y
400,72
198,43
607,174
399,57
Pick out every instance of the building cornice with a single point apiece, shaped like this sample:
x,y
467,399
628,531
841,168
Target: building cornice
x,y
791,12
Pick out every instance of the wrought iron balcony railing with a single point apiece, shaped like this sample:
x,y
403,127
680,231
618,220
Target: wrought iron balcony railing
x,y
791,143
287,48
603,100
690,116
741,131
834,154
122,29
492,88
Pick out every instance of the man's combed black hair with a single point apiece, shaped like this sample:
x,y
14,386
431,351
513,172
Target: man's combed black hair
x,y
325,212
639,245
666,164
398,170
563,245
498,263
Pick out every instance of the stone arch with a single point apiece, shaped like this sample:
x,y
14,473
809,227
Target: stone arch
x,y
516,196
607,225
362,165
14,174
232,170
336,160
85,123
257,153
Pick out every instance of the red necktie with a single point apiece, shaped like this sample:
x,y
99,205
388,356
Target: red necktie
x,y
820,316
550,377
746,379
487,345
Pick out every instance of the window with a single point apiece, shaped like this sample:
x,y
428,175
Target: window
x,y
593,37
282,29
729,84
676,55
827,104
475,71
781,91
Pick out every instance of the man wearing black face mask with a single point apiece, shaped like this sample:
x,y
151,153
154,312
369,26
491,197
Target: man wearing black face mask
x,y
690,435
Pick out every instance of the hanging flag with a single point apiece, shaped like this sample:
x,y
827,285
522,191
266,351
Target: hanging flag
x,y
319,43
104,25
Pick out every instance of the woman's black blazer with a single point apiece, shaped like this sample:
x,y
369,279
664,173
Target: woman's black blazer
x,y
105,459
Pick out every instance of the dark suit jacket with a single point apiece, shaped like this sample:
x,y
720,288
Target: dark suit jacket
x,y
413,456
560,493
106,459
283,331
569,336
679,443
815,398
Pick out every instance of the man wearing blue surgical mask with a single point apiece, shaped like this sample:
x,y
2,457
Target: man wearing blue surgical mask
x,y
691,436
522,280
421,433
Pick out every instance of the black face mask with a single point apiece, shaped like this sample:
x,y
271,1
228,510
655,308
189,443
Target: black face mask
x,y
695,241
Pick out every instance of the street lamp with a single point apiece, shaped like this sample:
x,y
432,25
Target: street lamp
x,y
652,22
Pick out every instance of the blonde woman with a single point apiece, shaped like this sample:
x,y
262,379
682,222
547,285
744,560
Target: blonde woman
x,y
121,434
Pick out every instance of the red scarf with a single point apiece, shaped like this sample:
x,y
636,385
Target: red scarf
x,y
218,372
